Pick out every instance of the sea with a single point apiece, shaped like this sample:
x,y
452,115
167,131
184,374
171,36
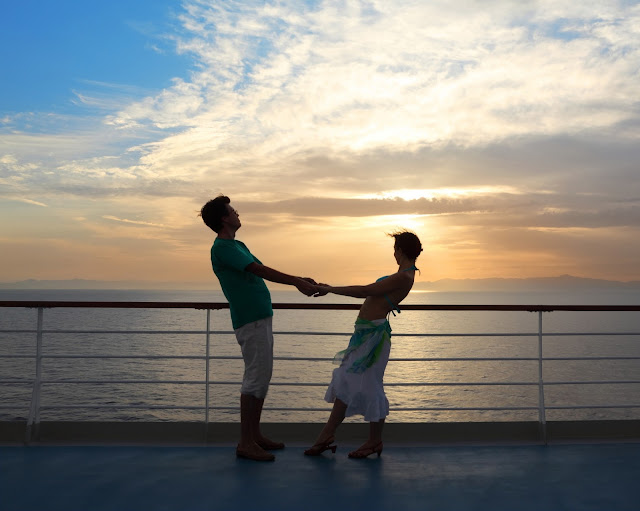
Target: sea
x,y
591,369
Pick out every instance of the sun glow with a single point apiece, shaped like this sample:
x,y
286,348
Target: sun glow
x,y
435,193
396,222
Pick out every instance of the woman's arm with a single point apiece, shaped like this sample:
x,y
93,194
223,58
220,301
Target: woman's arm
x,y
381,287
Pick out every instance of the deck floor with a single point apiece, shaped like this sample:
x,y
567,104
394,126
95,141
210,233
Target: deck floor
x,y
602,476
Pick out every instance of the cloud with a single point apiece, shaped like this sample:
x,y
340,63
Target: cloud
x,y
134,222
400,77
288,96
347,95
25,201
332,207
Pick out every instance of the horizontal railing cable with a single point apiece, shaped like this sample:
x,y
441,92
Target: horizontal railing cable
x,y
327,334
278,384
324,384
327,359
48,304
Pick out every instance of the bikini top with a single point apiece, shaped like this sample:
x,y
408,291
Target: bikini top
x,y
394,307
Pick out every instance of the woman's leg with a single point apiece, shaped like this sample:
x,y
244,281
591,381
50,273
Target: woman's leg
x,y
375,435
373,443
375,432
335,419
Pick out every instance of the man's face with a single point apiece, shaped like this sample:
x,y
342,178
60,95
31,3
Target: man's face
x,y
232,218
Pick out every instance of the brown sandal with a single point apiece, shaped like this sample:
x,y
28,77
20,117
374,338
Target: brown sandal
x,y
318,449
254,455
270,445
367,451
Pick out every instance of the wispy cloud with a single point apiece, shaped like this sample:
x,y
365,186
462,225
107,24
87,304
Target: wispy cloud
x,y
25,201
422,74
135,222
275,86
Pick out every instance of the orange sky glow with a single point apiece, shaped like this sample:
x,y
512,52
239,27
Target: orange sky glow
x,y
506,139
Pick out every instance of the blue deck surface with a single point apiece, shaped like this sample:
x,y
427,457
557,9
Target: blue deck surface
x,y
602,476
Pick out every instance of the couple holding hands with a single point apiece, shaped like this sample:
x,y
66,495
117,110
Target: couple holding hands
x,y
356,386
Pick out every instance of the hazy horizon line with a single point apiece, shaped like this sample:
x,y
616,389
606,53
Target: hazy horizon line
x,y
440,284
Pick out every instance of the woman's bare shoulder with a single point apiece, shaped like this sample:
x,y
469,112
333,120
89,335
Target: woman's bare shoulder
x,y
405,275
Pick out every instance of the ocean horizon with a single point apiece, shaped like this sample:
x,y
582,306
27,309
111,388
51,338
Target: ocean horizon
x,y
561,283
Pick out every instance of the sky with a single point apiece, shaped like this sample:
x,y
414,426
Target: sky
x,y
503,133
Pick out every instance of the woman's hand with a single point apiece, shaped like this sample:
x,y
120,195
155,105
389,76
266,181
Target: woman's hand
x,y
322,289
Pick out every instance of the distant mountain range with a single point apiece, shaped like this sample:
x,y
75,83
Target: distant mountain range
x,y
106,284
563,282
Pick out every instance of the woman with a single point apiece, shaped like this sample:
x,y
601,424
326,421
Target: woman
x,y
356,386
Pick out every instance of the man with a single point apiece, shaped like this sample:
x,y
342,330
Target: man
x,y
241,277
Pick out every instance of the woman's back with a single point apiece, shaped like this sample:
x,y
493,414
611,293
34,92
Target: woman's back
x,y
378,306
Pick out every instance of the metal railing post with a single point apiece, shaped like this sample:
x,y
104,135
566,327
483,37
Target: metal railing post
x,y
34,410
541,406
206,390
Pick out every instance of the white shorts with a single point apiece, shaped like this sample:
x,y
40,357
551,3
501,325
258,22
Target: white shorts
x,y
256,342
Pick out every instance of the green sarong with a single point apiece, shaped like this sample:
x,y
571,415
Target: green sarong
x,y
369,338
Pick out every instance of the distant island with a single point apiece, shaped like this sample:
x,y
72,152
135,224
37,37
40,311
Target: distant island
x,y
563,282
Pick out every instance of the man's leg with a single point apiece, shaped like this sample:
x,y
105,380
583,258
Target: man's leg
x,y
250,413
250,407
256,342
261,440
249,419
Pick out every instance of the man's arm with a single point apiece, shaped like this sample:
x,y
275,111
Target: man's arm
x,y
305,286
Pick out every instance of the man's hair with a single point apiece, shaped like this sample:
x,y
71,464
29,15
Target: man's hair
x,y
408,242
213,211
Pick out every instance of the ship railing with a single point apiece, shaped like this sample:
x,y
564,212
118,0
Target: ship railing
x,y
36,380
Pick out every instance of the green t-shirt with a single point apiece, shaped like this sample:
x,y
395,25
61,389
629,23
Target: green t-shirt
x,y
248,295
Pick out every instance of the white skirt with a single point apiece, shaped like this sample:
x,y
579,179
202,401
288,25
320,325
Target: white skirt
x,y
362,392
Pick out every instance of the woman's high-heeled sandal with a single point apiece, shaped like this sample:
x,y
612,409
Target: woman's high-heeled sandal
x,y
318,449
368,451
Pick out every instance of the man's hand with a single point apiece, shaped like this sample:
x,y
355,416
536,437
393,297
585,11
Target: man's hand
x,y
307,286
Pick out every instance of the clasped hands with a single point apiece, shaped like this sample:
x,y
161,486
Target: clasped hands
x,y
314,289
